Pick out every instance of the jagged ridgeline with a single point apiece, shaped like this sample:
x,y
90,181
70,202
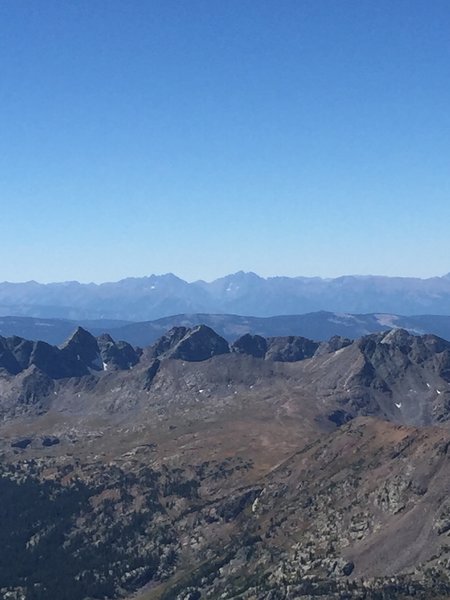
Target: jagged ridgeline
x,y
267,468
154,297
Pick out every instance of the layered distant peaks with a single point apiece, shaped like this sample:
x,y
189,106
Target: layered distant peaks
x,y
157,296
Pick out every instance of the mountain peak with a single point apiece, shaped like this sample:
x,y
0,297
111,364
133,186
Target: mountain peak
x,y
80,335
82,346
196,344
397,336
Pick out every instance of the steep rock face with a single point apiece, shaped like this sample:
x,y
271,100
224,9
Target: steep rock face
x,y
50,361
196,344
116,355
254,345
82,347
8,361
290,348
335,343
167,342
21,350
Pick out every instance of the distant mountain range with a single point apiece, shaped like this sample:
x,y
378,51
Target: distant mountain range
x,y
157,296
319,326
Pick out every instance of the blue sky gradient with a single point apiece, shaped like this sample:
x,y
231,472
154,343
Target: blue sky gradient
x,y
292,137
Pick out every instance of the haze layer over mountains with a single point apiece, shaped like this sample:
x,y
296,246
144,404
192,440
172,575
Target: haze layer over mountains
x,y
147,298
318,326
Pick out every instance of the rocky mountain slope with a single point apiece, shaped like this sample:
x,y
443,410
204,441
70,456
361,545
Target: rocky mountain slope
x,y
268,468
148,298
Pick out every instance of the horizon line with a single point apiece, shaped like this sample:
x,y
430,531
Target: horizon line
x,y
240,272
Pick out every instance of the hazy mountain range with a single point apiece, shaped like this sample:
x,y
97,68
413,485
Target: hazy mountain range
x,y
318,326
148,298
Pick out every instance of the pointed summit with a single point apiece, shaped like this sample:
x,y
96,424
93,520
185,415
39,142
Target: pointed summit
x,y
82,346
80,336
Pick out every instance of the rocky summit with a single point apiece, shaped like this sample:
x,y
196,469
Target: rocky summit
x,y
269,468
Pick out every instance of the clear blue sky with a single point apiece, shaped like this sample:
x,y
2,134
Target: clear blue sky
x,y
303,137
